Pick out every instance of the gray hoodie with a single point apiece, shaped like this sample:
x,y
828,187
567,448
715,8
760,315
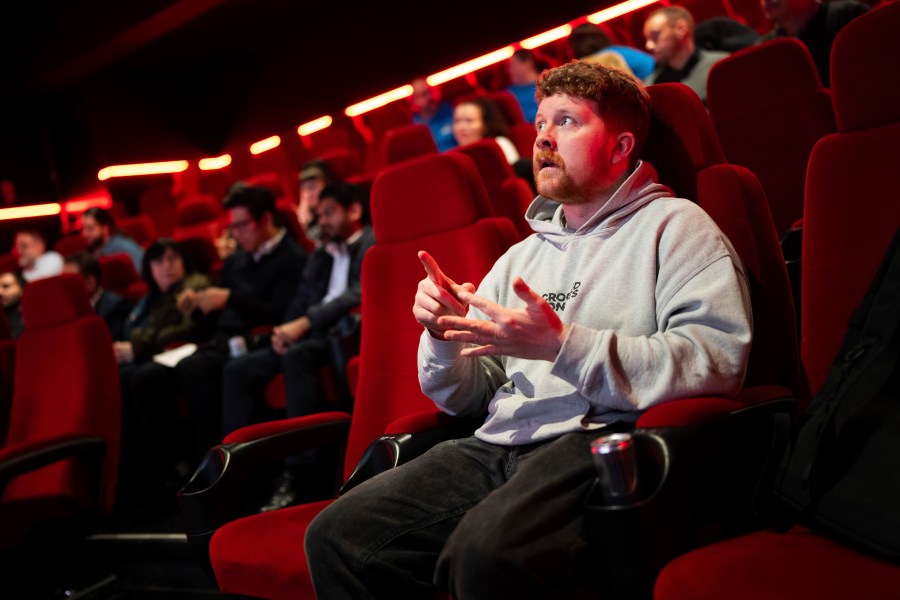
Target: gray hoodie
x,y
658,306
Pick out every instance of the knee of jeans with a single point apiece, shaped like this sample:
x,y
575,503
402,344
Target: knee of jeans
x,y
474,551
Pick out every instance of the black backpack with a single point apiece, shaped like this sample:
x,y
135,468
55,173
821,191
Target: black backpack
x,y
839,467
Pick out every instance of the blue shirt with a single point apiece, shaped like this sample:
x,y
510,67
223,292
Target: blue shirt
x,y
640,63
441,125
524,93
120,244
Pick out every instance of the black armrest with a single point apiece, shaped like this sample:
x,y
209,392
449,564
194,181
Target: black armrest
x,y
216,495
696,484
389,451
23,458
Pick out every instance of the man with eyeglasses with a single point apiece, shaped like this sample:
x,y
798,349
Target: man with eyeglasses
x,y
255,287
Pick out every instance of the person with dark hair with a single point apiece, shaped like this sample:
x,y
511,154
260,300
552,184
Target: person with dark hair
x,y
327,294
153,325
430,109
112,307
11,286
156,322
255,286
669,33
35,260
624,297
103,238
814,23
479,117
589,40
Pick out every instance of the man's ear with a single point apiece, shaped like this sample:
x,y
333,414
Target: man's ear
x,y
354,212
624,147
681,27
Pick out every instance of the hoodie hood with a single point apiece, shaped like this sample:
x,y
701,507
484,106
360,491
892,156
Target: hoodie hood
x,y
545,216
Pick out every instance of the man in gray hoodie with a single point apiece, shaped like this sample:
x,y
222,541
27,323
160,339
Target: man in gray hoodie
x,y
623,298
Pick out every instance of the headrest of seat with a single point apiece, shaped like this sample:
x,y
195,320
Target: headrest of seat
x,y
864,74
54,301
682,140
427,195
760,76
267,180
198,209
409,141
490,162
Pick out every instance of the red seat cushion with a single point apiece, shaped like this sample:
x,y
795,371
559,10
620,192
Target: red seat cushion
x,y
766,565
271,562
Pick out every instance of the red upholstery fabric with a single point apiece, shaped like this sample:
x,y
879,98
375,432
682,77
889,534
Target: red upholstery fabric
x,y
287,212
140,228
420,422
509,194
682,140
866,92
9,264
466,246
342,136
159,204
509,106
777,566
769,108
198,209
260,430
65,338
842,247
69,245
117,274
404,143
523,136
277,533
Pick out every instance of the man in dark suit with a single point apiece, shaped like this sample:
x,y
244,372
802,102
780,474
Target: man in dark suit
x,y
328,293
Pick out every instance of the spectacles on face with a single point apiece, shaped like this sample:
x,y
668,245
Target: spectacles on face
x,y
239,225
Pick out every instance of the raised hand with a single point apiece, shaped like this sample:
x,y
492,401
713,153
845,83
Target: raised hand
x,y
535,332
438,296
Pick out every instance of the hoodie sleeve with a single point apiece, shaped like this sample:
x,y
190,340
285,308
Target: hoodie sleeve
x,y
701,347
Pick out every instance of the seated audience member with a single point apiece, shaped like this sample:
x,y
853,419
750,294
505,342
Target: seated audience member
x,y
725,34
112,307
255,287
813,23
588,39
524,68
428,108
610,59
314,175
669,32
657,307
477,118
328,292
155,323
103,238
11,285
35,260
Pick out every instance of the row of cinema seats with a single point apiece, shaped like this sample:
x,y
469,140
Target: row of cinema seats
x,y
689,448
261,554
697,454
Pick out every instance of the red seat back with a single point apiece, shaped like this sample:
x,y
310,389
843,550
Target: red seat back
x,y
769,108
464,244
140,228
63,336
404,143
117,274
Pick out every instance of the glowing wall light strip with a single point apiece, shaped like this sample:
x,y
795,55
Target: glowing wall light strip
x,y
172,166
378,101
472,65
80,205
211,164
546,37
618,10
23,212
265,145
314,125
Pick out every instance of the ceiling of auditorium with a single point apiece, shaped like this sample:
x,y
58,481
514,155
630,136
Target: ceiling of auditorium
x,y
151,79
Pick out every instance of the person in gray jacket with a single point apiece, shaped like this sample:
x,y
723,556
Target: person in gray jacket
x,y
624,297
669,34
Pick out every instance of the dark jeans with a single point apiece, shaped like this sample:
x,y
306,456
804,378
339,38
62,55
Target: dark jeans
x,y
479,520
245,379
156,390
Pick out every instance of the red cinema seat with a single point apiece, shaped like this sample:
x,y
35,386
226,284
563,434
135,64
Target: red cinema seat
x,y
769,108
117,275
841,251
262,554
140,228
61,453
404,143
